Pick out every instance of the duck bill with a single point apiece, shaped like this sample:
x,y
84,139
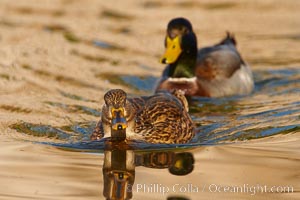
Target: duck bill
x,y
173,50
118,121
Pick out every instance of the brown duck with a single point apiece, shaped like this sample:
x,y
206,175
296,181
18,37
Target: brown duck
x,y
214,71
161,118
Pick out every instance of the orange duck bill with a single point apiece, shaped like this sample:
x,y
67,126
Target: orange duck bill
x,y
118,121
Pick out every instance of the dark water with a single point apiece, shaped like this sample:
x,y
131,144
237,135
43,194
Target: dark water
x,y
273,108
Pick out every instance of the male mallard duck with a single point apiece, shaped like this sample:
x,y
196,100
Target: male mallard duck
x,y
214,71
161,118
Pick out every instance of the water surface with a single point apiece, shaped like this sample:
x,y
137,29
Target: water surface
x,y
58,59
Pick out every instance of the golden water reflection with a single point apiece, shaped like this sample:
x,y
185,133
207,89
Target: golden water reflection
x,y
120,163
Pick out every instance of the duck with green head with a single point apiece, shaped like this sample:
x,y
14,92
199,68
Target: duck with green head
x,y
214,71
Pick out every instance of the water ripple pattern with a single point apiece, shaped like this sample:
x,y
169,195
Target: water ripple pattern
x,y
273,108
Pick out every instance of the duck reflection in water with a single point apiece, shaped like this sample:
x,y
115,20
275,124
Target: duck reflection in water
x,y
119,167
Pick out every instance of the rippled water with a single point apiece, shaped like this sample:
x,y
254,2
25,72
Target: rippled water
x,y
273,108
56,58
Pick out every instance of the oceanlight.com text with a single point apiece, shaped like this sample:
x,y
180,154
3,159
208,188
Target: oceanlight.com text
x,y
212,188
250,189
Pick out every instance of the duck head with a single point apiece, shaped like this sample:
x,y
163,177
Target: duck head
x,y
116,113
181,48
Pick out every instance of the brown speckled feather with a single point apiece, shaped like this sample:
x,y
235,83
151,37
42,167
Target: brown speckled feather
x,y
98,132
161,118
164,119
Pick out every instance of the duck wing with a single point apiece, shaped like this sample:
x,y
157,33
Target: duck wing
x,y
219,61
163,119
98,132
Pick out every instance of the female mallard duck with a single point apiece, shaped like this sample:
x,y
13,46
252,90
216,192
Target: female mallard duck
x,y
161,118
214,71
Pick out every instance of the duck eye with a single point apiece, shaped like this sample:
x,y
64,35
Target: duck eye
x,y
173,46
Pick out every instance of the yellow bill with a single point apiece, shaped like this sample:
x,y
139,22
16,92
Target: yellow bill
x,y
173,50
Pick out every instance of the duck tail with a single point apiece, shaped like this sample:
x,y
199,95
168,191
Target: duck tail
x,y
229,39
180,95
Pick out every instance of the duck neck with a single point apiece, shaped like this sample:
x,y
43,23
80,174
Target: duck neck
x,y
184,66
